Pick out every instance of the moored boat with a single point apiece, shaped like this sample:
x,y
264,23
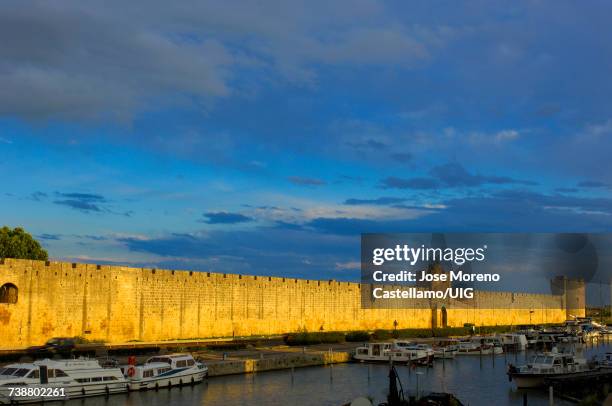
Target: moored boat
x,y
47,380
164,371
477,346
409,345
547,365
514,341
385,352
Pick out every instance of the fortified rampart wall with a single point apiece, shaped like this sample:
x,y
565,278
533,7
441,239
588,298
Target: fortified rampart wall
x,y
119,304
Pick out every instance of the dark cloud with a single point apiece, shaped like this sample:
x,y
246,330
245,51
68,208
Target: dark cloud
x,y
88,203
381,201
38,196
46,236
592,184
82,205
298,180
85,202
261,251
455,175
545,201
531,212
222,217
94,237
196,54
82,196
451,175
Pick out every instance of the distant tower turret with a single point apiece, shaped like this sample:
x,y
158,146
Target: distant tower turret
x,y
574,293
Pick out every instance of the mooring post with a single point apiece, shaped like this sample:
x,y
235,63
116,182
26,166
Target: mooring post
x,y
292,371
524,399
443,358
493,355
550,396
331,372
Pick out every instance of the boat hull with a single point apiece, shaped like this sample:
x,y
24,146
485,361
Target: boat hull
x,y
71,392
177,379
524,381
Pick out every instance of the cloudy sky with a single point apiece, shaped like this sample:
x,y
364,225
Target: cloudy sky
x,y
265,137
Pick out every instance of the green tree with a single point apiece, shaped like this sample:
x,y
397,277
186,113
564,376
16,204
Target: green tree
x,y
17,243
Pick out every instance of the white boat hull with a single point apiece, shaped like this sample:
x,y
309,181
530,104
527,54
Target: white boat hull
x,y
190,376
72,391
487,351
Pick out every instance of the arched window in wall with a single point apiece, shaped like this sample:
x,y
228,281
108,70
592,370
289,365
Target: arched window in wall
x,y
8,293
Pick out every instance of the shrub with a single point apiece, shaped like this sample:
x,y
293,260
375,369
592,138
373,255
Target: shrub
x,y
357,336
226,346
382,334
306,338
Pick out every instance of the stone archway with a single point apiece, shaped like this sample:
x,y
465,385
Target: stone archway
x,y
8,293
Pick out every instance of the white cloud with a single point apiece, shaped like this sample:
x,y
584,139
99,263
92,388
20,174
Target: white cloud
x,y
348,266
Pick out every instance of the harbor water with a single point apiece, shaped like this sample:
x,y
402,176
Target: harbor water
x,y
474,380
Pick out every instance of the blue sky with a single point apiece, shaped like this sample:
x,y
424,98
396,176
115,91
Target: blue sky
x,y
264,138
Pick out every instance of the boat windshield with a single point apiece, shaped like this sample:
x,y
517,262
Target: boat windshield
x,y
159,359
8,371
542,359
17,372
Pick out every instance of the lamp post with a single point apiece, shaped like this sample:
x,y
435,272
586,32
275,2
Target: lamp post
x,y
417,384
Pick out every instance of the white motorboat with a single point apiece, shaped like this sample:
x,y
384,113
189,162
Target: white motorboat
x,y
545,340
530,334
447,352
446,348
477,346
165,371
386,352
409,345
48,380
494,341
546,365
514,341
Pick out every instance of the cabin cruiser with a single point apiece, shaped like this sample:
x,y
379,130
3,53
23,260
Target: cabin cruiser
x,y
409,345
446,348
58,380
387,352
494,341
546,365
164,371
545,340
448,352
478,346
514,341
530,334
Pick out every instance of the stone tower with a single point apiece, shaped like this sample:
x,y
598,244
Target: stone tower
x,y
574,293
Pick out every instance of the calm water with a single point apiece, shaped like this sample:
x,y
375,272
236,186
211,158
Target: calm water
x,y
474,381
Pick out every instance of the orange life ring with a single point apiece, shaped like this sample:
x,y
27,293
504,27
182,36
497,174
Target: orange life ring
x,y
131,371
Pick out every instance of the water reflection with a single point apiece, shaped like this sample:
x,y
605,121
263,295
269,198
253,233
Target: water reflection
x,y
474,380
